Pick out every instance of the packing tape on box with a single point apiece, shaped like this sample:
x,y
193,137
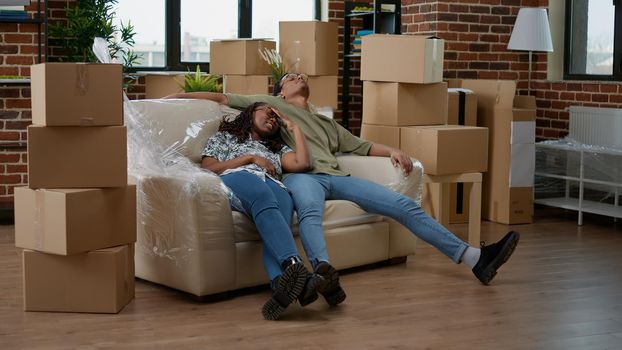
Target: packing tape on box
x,y
38,224
82,79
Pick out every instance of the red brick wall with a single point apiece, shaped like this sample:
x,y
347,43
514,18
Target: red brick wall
x,y
18,51
335,14
477,33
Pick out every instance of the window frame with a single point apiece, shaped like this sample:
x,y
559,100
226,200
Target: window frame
x,y
617,46
172,34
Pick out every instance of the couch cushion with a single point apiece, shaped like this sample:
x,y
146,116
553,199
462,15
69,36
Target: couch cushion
x,y
180,125
337,213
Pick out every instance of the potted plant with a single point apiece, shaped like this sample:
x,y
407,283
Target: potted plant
x,y
87,19
277,68
198,82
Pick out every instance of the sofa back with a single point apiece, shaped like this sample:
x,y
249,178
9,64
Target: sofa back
x,y
179,125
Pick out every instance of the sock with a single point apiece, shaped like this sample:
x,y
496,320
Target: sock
x,y
470,257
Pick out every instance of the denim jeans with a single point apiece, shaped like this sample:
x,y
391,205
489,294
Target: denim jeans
x,y
309,192
271,208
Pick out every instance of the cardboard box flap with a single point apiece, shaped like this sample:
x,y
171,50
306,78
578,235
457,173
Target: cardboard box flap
x,y
492,93
524,102
243,39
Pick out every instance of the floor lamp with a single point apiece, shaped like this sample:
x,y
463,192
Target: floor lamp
x,y
531,33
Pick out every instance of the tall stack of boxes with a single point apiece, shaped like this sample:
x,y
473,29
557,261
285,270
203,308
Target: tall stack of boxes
x,y
462,110
405,105
311,47
239,62
76,220
507,191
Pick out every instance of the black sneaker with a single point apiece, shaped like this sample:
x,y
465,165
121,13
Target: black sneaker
x,y
309,292
287,288
493,256
331,290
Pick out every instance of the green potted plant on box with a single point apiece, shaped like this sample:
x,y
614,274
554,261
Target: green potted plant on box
x,y
198,82
277,68
86,20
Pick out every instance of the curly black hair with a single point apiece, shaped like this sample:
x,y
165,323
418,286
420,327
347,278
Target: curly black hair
x,y
241,126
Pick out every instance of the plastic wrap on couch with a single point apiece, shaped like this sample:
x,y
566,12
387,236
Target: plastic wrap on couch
x,y
563,158
174,195
380,170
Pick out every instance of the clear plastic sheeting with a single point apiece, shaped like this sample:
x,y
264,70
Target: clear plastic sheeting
x,y
175,196
380,170
574,175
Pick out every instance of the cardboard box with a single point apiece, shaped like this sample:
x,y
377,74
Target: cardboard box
x,y
323,91
239,56
462,107
77,157
507,190
101,281
461,110
386,135
160,85
72,221
402,58
77,94
246,84
458,201
309,47
447,149
399,104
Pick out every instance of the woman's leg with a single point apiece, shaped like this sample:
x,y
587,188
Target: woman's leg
x,y
261,204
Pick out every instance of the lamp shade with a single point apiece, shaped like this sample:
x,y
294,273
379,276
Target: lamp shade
x,y
531,31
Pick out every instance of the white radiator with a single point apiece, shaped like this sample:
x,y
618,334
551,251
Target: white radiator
x,y
596,126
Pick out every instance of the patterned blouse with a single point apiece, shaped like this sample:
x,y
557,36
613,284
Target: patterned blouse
x,y
224,146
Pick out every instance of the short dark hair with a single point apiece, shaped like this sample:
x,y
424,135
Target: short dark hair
x,y
277,85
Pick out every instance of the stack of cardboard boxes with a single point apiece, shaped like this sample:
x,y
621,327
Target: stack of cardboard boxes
x,y
405,105
239,62
311,47
507,191
77,217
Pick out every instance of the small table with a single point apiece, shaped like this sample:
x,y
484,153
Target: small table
x,y
475,200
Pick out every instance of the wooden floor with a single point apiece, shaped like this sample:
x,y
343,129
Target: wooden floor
x,y
561,290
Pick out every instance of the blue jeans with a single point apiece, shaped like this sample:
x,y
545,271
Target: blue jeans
x,y
271,208
311,190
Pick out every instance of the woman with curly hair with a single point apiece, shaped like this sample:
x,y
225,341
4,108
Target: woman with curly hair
x,y
249,155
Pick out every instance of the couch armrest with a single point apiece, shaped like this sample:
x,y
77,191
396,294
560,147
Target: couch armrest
x,y
183,212
185,232
381,171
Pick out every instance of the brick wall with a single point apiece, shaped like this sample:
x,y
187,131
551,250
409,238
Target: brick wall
x,y
18,51
477,33
335,14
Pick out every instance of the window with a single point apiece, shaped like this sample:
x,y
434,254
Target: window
x,y
175,34
268,13
201,22
149,39
593,48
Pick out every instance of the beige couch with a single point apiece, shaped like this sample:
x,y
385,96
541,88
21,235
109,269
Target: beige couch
x,y
188,237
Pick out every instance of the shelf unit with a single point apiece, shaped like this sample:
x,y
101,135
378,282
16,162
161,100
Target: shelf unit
x,y
385,18
582,205
41,20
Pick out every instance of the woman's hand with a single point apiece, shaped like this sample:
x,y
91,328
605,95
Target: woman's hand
x,y
288,123
264,163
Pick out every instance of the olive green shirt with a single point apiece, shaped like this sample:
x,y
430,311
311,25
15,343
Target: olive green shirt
x,y
325,137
